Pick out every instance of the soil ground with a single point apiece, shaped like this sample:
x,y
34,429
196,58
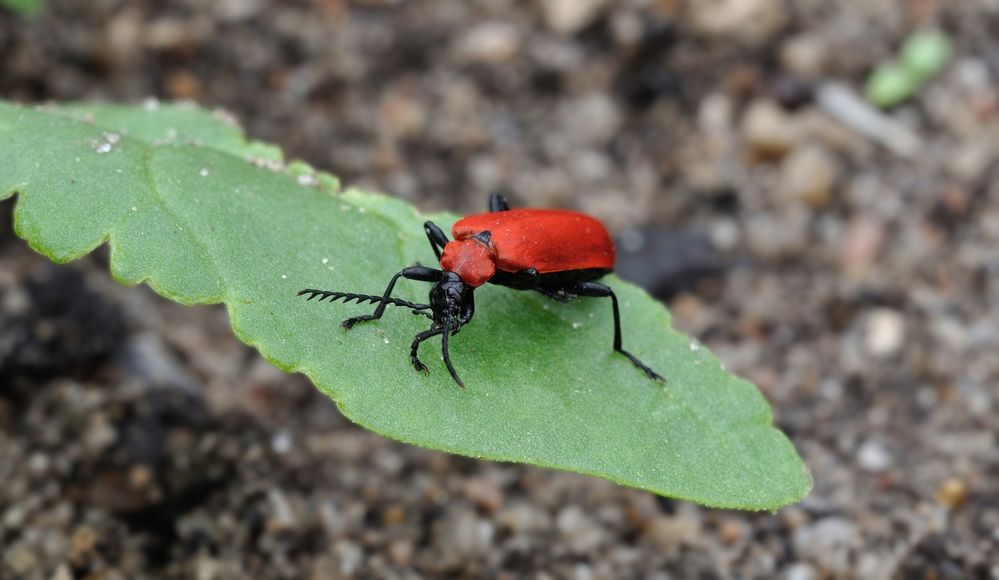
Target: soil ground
x,y
852,274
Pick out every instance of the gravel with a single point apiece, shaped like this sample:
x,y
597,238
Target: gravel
x,y
841,257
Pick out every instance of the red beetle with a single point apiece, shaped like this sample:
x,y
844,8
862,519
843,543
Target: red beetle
x,y
555,252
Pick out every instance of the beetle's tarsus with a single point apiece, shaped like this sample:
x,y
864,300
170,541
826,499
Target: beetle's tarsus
x,y
648,372
414,349
350,322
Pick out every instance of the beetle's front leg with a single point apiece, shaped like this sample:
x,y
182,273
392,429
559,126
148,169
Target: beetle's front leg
x,y
421,273
437,237
413,357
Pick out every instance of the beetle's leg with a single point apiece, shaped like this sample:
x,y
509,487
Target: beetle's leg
x,y
557,294
413,357
497,203
598,290
437,237
526,279
421,273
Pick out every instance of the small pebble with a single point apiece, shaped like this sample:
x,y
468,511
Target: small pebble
x,y
800,572
63,573
885,332
752,22
401,553
484,493
671,532
768,130
804,56
809,175
489,43
873,456
460,536
348,556
593,117
732,531
850,109
394,515
952,493
583,534
83,543
21,560
830,542
861,246
568,17
140,476
281,443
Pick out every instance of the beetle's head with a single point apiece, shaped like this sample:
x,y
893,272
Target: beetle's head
x,y
452,302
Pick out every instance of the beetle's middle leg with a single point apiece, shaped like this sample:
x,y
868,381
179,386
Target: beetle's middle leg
x,y
421,273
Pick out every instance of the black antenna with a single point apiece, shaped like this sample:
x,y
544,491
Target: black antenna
x,y
447,355
359,298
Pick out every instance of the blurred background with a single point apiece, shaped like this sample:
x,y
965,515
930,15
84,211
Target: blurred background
x,y
809,185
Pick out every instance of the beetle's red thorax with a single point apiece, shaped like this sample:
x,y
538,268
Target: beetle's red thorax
x,y
470,259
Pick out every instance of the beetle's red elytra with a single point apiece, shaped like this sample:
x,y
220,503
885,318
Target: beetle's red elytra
x,y
547,240
558,253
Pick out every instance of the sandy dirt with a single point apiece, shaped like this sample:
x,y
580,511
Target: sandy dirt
x,y
853,276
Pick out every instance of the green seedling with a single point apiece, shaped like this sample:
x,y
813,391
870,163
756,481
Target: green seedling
x,y
921,57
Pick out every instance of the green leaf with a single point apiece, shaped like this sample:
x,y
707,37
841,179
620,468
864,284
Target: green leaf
x,y
925,53
921,57
26,7
171,189
891,84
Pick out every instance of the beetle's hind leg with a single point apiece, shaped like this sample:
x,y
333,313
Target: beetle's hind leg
x,y
598,290
497,203
557,294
